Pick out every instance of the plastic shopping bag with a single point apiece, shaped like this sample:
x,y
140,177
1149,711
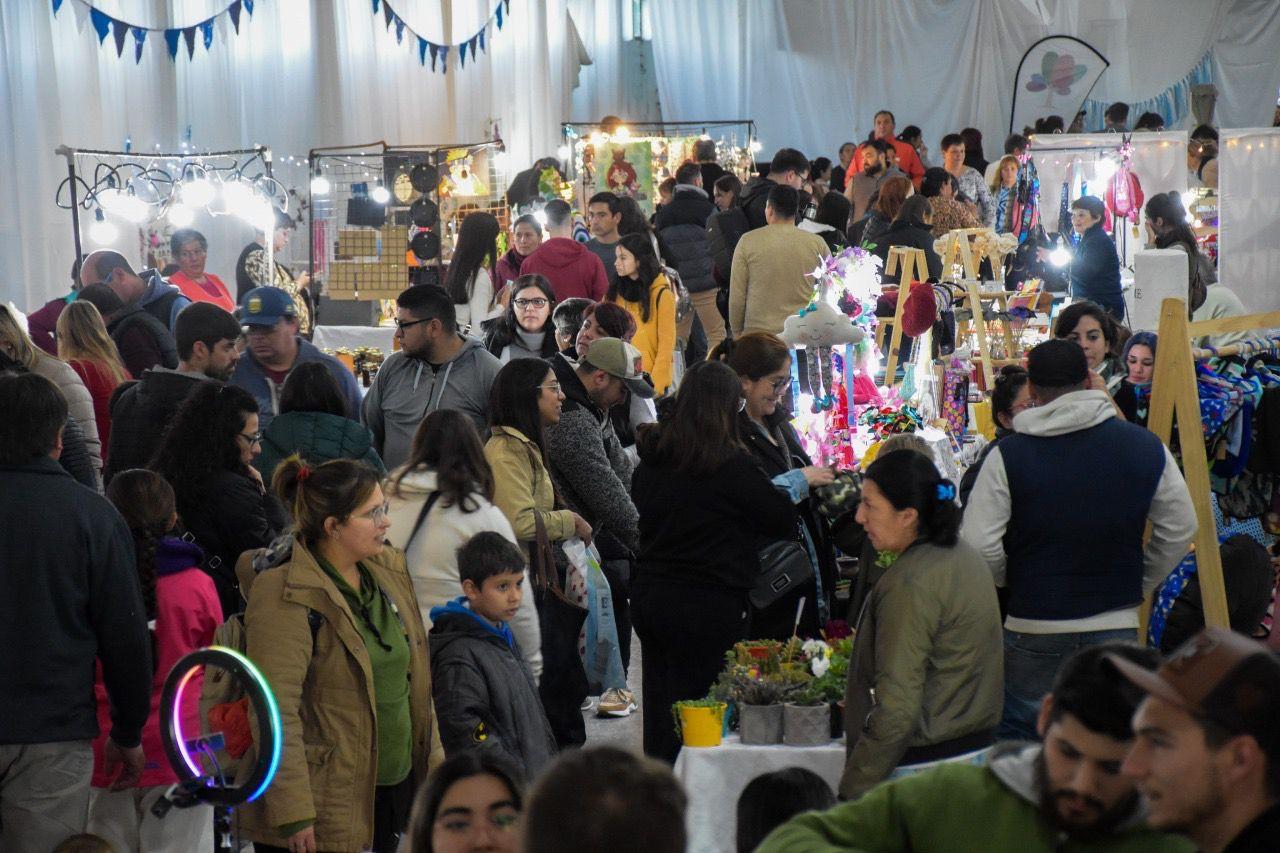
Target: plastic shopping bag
x,y
598,641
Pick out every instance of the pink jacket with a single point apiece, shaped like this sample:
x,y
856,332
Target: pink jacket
x,y
187,614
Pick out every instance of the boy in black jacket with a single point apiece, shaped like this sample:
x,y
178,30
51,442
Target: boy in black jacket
x,y
485,696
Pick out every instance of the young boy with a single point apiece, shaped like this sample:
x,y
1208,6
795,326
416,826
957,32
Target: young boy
x,y
485,696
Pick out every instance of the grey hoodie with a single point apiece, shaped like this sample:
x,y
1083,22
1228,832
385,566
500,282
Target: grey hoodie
x,y
986,518
407,389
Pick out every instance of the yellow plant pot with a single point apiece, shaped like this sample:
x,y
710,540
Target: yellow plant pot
x,y
702,726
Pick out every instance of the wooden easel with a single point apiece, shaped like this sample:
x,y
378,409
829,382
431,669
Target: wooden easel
x,y
959,250
974,297
1174,391
910,265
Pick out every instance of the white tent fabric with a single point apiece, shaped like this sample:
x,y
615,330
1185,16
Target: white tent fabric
x,y
301,74
1248,210
812,73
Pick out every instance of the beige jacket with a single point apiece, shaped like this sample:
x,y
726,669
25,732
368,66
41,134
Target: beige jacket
x,y
928,661
768,281
522,489
325,693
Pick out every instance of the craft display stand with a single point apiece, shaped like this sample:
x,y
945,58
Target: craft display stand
x,y
910,265
959,251
1174,392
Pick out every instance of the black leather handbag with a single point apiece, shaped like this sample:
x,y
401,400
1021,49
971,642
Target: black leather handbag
x,y
784,565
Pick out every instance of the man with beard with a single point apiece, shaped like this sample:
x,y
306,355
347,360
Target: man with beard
x,y
1206,751
861,187
206,343
1064,795
436,368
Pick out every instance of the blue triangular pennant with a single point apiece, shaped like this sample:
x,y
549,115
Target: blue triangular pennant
x,y
435,51
481,42
171,41
248,7
474,40
57,4
388,14
444,59
120,32
498,13
139,39
101,23
422,51
399,30
234,11
189,36
507,3
376,4
206,30
462,55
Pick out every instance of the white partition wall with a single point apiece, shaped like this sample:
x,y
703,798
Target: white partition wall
x,y
1249,216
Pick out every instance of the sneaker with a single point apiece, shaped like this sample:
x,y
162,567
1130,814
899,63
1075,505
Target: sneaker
x,y
616,703
586,704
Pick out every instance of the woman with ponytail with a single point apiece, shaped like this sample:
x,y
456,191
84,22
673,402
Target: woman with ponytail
x,y
335,630
183,612
926,676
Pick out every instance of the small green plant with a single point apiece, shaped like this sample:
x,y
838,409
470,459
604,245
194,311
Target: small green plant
x,y
693,703
810,693
770,690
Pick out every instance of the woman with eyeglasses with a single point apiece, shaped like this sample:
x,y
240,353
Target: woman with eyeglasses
x,y
471,802
190,250
763,364
335,630
526,398
525,330
207,456
706,509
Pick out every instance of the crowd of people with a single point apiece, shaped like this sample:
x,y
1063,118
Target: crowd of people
x,y
182,467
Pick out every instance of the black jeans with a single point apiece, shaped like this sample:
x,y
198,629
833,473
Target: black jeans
x,y
684,632
391,805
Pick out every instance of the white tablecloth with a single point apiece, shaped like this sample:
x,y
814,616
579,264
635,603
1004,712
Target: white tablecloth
x,y
713,778
354,337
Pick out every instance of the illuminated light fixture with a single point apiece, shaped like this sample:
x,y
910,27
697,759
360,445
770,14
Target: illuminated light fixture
x,y
623,132
563,152
596,137
380,194
237,196
101,231
755,146
180,215
198,192
320,185
124,204
1189,199
1060,257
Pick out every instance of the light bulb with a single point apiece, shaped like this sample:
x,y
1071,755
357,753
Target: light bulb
x,y
596,137
380,194
180,215
238,196
756,145
124,205
1104,169
259,213
101,231
563,152
319,185
198,192
623,132
1059,257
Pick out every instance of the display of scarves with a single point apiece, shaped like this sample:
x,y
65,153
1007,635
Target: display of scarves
x,y
1026,205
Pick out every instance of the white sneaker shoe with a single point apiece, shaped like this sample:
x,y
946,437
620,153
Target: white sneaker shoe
x,y
616,702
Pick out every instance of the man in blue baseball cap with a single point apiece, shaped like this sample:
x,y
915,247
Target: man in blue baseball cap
x,y
270,322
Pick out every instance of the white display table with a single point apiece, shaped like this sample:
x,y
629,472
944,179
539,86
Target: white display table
x,y
354,337
713,778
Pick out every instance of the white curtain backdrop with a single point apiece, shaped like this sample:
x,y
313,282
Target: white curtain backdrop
x,y
812,73
301,74
1248,210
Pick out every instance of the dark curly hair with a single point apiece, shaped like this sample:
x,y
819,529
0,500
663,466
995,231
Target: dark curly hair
x,y
203,438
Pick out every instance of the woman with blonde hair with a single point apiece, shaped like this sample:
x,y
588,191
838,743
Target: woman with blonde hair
x,y
84,344
17,345
1004,191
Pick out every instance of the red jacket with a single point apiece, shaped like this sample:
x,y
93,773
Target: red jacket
x,y
43,322
908,160
101,386
571,267
187,614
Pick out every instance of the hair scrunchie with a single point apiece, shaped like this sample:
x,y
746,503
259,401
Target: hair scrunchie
x,y
946,491
303,473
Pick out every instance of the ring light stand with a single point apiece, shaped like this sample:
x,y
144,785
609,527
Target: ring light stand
x,y
195,786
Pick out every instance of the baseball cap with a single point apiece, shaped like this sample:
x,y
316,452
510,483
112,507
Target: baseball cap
x,y
618,358
264,306
1222,677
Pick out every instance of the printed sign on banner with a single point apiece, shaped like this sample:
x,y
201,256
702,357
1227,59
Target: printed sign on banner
x,y
1054,78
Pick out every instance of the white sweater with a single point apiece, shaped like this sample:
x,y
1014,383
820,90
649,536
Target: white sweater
x,y
480,306
433,556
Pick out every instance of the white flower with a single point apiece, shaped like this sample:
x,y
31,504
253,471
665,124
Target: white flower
x,y
815,648
819,666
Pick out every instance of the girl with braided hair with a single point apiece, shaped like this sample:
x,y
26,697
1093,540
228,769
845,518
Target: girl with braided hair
x,y
182,612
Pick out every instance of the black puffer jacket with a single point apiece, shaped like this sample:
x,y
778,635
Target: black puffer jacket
x,y
140,412
682,228
144,341
914,234
484,694
227,517
753,199
724,230
75,458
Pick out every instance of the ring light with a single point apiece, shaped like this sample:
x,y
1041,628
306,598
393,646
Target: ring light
x,y
179,746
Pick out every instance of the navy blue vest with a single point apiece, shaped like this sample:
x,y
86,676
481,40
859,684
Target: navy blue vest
x,y
1080,504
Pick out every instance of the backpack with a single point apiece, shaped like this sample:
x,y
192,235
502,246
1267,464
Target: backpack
x,y
222,698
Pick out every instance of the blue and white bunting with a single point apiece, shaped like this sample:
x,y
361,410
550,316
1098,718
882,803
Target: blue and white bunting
x,y
439,53
119,29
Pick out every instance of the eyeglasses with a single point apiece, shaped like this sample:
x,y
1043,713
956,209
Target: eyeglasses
x,y
778,384
531,303
378,514
402,325
252,438
192,253
553,386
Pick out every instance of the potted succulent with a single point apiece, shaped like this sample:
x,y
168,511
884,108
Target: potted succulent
x,y
759,702
806,717
699,722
